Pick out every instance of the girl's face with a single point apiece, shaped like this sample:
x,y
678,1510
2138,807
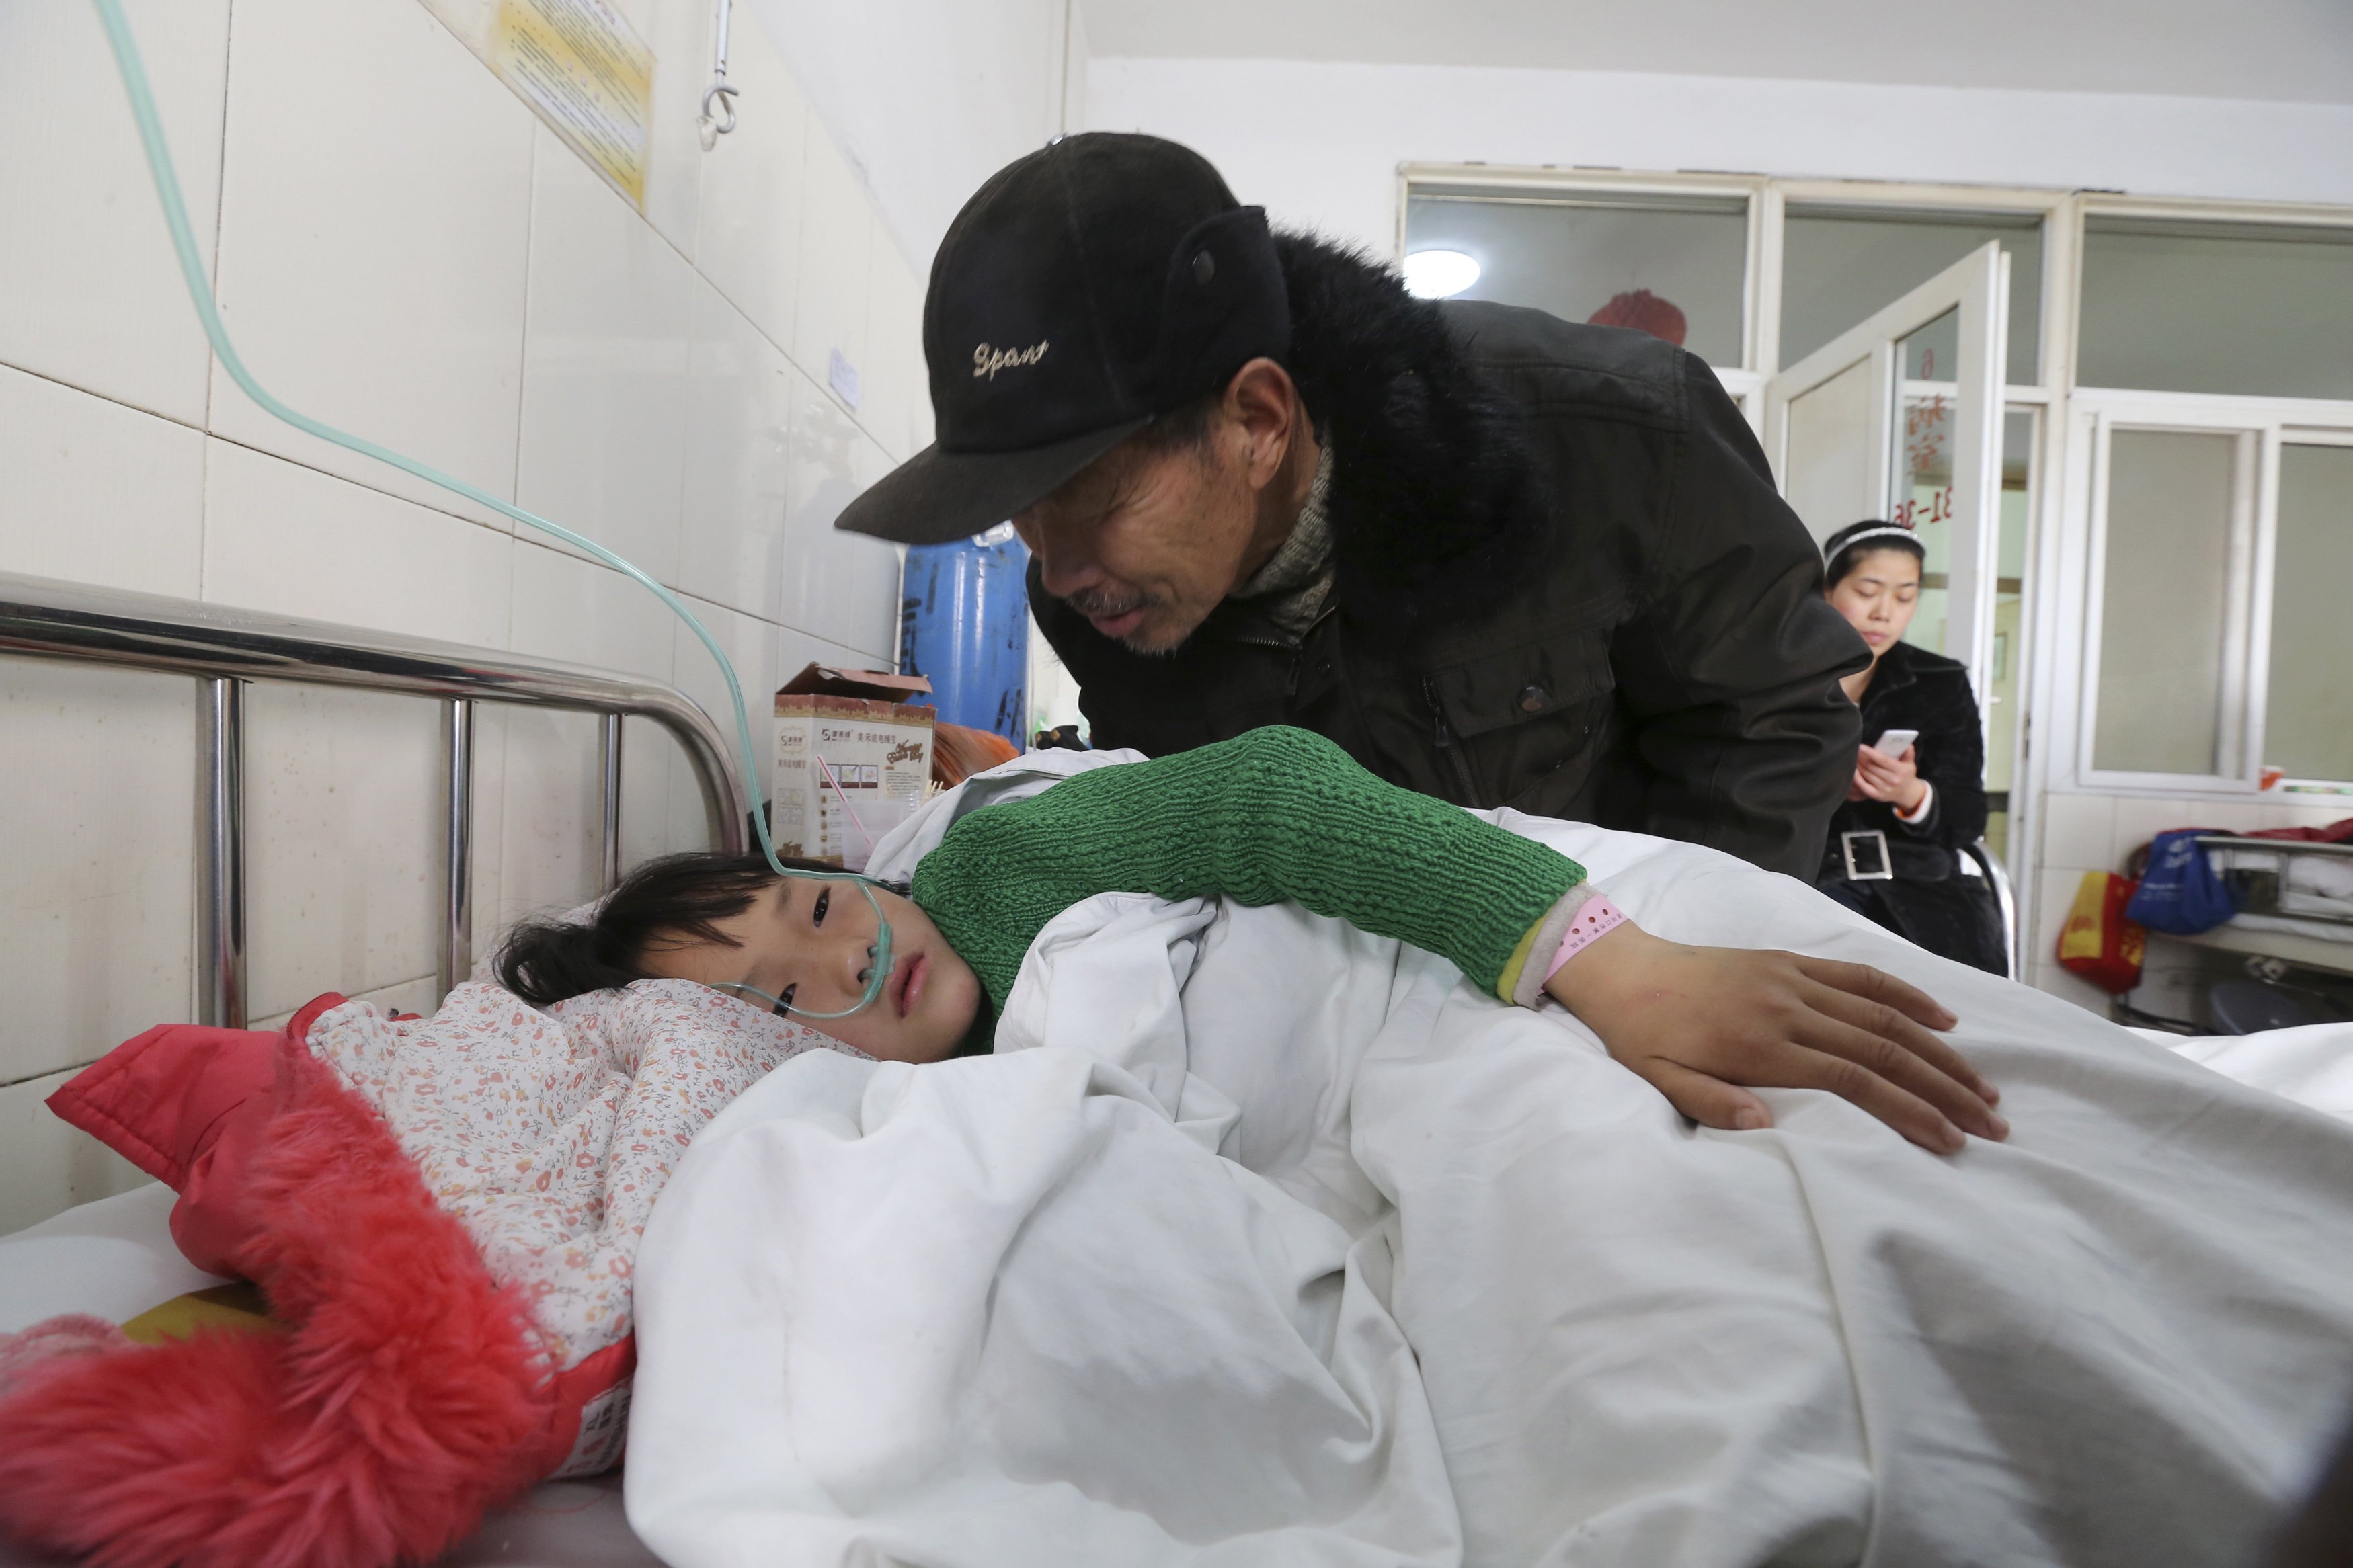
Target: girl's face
x,y
807,941
1878,595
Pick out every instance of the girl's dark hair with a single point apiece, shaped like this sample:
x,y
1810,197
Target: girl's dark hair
x,y
546,960
1850,545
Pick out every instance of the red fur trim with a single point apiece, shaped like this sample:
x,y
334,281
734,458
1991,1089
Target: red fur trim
x,y
411,1393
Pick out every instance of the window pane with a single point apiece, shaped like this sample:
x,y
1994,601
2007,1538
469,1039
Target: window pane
x,y
1839,264
1576,255
2309,724
2260,309
2167,573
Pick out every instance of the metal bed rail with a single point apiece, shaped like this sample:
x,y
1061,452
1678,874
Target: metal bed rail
x,y
226,649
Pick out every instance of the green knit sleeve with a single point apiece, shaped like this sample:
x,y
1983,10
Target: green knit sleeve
x,y
1272,816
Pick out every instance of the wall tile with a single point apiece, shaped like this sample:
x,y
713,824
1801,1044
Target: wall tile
x,y
550,793
748,229
344,841
841,587
281,536
740,405
490,826
46,1166
2055,890
764,654
374,225
97,492
891,382
679,33
836,233
868,618
98,811
89,291
2137,821
2078,830
605,367
664,813
759,651
550,846
567,608
413,995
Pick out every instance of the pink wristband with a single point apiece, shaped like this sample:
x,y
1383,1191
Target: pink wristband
x,y
1598,915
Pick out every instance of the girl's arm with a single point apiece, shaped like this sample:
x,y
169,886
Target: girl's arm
x,y
1281,813
1272,816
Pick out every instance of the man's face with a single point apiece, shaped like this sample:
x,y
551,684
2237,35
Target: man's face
x,y
1144,541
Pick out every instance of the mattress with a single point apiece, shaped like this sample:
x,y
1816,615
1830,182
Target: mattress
x,y
114,1259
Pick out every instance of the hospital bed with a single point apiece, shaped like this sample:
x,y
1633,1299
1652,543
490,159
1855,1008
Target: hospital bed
x,y
115,1257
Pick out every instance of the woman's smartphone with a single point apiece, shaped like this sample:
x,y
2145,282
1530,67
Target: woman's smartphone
x,y
1893,742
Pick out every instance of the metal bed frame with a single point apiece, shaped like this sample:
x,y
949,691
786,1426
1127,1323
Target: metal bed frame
x,y
225,650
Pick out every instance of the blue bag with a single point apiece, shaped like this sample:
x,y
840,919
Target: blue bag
x,y
2180,892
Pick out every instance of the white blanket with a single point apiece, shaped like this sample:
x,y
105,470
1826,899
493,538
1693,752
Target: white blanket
x,y
1262,1240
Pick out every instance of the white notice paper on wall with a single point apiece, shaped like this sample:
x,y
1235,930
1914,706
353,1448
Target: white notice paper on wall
x,y
579,65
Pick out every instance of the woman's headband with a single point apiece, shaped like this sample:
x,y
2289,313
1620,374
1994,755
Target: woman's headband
x,y
1886,531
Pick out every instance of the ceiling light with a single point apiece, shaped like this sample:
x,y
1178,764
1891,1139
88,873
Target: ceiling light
x,y
1435,274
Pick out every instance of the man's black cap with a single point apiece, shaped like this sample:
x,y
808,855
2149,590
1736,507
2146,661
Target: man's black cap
x,y
1100,281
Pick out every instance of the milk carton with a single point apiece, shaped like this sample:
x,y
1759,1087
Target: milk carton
x,y
853,761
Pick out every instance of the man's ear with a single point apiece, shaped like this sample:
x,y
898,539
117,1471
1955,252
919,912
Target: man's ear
x,y
1263,405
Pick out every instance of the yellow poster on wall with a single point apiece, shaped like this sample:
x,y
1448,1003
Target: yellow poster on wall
x,y
579,65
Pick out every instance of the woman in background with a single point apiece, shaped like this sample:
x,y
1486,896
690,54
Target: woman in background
x,y
1895,848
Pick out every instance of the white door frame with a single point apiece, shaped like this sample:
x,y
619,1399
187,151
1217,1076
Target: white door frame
x,y
1978,288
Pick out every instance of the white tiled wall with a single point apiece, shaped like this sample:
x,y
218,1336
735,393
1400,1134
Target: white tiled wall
x,y
2083,832
401,248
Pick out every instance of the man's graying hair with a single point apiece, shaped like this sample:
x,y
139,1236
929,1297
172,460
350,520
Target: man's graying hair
x,y
1184,428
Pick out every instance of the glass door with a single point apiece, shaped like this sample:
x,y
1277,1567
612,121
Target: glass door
x,y
1900,417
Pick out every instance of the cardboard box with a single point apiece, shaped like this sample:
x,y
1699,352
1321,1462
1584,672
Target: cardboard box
x,y
853,760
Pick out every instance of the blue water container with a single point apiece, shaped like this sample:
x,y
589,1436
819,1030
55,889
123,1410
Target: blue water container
x,y
964,621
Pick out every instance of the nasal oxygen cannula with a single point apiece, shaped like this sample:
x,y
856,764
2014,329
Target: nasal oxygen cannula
x,y
184,241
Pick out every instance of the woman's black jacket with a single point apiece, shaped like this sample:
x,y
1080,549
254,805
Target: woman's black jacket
x,y
1916,689
1565,583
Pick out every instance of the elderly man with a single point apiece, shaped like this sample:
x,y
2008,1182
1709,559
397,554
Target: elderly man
x,y
1498,557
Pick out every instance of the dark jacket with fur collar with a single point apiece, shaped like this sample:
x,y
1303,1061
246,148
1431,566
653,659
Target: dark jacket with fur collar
x,y
1563,583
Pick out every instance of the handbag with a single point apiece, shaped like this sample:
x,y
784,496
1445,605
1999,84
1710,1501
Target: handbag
x,y
2181,891
2100,942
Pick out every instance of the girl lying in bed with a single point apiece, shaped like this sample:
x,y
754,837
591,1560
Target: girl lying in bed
x,y
1272,815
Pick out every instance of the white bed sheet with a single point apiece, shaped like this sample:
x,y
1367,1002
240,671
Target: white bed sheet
x,y
1065,1304
114,1258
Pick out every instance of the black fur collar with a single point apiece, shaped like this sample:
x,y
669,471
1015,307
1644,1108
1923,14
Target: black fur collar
x,y
1426,499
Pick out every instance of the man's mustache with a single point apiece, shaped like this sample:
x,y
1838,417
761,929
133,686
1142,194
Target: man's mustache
x,y
1102,605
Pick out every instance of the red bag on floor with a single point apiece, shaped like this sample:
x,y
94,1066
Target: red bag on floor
x,y
2098,941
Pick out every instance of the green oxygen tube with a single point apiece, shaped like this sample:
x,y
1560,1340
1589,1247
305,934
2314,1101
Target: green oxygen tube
x,y
200,294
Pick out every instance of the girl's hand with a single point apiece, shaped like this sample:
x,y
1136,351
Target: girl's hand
x,y
1893,779
1700,1023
